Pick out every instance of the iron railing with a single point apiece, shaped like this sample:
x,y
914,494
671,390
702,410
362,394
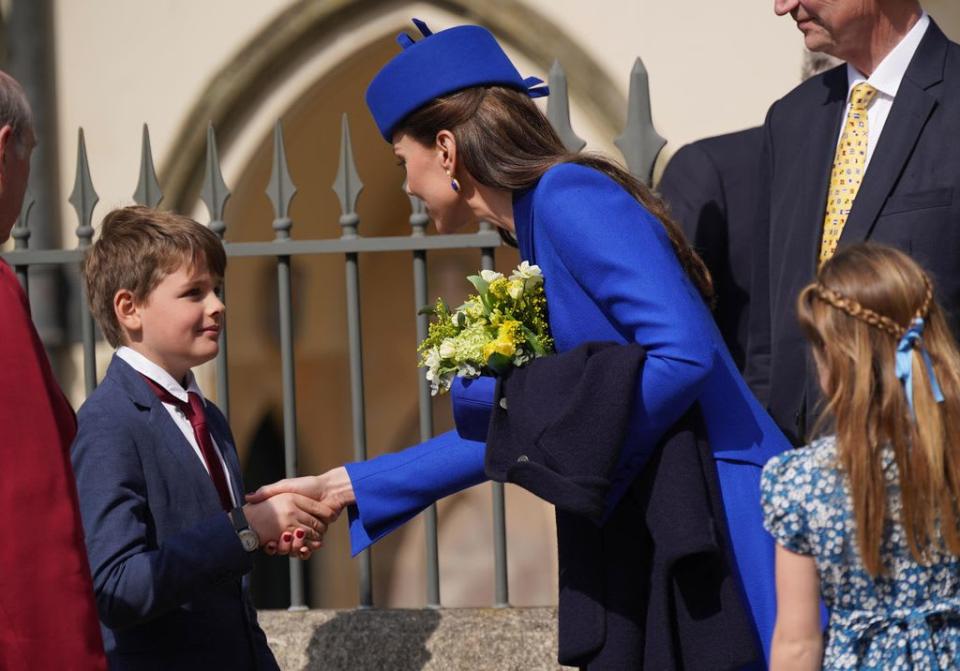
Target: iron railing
x,y
639,143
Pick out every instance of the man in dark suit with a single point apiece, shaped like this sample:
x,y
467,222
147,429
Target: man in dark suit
x,y
711,187
898,130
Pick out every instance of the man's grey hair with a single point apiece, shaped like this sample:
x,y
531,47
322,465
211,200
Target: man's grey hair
x,y
15,110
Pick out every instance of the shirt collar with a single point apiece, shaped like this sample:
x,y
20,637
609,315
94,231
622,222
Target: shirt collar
x,y
149,369
888,75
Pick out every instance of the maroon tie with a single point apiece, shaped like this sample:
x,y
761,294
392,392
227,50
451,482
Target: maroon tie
x,y
198,420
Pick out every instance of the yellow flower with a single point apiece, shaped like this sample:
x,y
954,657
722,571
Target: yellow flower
x,y
499,346
499,287
508,330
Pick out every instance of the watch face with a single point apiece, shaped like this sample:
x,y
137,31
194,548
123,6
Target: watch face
x,y
249,540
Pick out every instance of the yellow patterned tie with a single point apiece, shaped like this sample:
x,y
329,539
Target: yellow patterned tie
x,y
848,168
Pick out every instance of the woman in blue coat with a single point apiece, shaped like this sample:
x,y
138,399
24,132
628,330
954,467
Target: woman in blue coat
x,y
616,268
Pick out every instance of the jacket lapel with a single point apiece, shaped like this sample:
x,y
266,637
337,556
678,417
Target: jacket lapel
x,y
911,110
802,246
168,436
221,437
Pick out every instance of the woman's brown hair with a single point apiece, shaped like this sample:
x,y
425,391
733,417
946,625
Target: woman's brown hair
x,y
505,142
864,300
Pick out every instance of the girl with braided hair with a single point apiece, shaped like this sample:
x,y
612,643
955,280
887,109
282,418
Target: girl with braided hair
x,y
868,517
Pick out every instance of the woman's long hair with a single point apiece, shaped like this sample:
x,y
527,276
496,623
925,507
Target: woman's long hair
x,y
505,142
864,300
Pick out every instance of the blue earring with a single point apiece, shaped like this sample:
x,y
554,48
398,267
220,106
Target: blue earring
x,y
454,184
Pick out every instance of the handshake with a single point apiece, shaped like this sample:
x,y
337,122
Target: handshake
x,y
291,516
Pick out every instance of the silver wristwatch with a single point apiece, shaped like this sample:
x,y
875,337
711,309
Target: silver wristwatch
x,y
248,537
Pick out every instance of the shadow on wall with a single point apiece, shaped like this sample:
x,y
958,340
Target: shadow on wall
x,y
397,642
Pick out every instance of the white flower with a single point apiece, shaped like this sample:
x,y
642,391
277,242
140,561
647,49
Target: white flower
x,y
515,289
526,270
490,275
529,273
448,349
432,360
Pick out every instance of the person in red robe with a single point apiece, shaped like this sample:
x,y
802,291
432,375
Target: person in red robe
x,y
47,614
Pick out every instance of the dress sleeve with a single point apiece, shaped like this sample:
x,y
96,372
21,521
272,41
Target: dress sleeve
x,y
392,488
621,257
783,489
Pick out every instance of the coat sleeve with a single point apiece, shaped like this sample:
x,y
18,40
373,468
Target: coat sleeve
x,y
46,600
133,580
392,488
757,372
620,255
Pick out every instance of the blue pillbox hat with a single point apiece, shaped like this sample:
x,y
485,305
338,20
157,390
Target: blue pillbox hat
x,y
440,63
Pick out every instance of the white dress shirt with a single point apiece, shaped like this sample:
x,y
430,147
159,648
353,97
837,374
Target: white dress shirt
x,y
147,368
886,79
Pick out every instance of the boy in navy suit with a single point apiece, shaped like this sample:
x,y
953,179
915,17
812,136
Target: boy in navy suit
x,y
157,472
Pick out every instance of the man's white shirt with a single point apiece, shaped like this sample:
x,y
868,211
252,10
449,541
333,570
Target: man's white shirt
x,y
886,78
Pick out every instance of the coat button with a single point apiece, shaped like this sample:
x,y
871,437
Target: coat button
x,y
503,402
522,459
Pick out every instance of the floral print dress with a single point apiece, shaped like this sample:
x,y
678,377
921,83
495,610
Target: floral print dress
x,y
908,617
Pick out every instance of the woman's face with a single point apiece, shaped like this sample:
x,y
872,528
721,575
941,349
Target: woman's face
x,y
427,179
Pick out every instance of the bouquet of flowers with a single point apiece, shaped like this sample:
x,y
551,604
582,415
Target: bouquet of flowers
x,y
504,324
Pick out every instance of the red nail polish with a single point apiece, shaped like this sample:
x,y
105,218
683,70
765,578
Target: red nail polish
x,y
287,538
299,533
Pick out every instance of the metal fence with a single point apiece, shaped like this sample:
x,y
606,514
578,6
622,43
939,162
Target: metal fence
x,y
639,143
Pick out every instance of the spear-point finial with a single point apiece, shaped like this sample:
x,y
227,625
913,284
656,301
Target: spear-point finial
x,y
148,187
640,143
347,185
21,230
280,188
558,109
84,197
215,192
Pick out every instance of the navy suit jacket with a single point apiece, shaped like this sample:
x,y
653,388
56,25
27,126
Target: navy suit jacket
x,y
908,199
711,186
168,567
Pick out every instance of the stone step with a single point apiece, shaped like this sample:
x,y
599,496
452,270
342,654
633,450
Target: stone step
x,y
478,639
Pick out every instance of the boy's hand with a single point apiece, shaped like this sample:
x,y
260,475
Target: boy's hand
x,y
332,489
286,514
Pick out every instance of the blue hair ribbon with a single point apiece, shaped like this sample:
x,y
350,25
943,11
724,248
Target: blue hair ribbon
x,y
910,341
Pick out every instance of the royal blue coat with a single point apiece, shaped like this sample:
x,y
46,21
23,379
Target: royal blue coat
x,y
611,275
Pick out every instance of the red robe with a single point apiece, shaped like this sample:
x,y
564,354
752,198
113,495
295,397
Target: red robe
x,y
47,614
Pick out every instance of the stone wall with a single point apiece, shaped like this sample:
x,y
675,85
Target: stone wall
x,y
400,640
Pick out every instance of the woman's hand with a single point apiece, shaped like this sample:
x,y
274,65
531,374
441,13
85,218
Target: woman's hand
x,y
294,542
332,489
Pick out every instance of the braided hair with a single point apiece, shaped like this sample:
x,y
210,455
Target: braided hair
x,y
864,301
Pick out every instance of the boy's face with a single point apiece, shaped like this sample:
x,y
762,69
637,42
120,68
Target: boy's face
x,y
180,321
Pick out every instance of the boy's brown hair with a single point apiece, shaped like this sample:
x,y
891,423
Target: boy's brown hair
x,y
137,248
